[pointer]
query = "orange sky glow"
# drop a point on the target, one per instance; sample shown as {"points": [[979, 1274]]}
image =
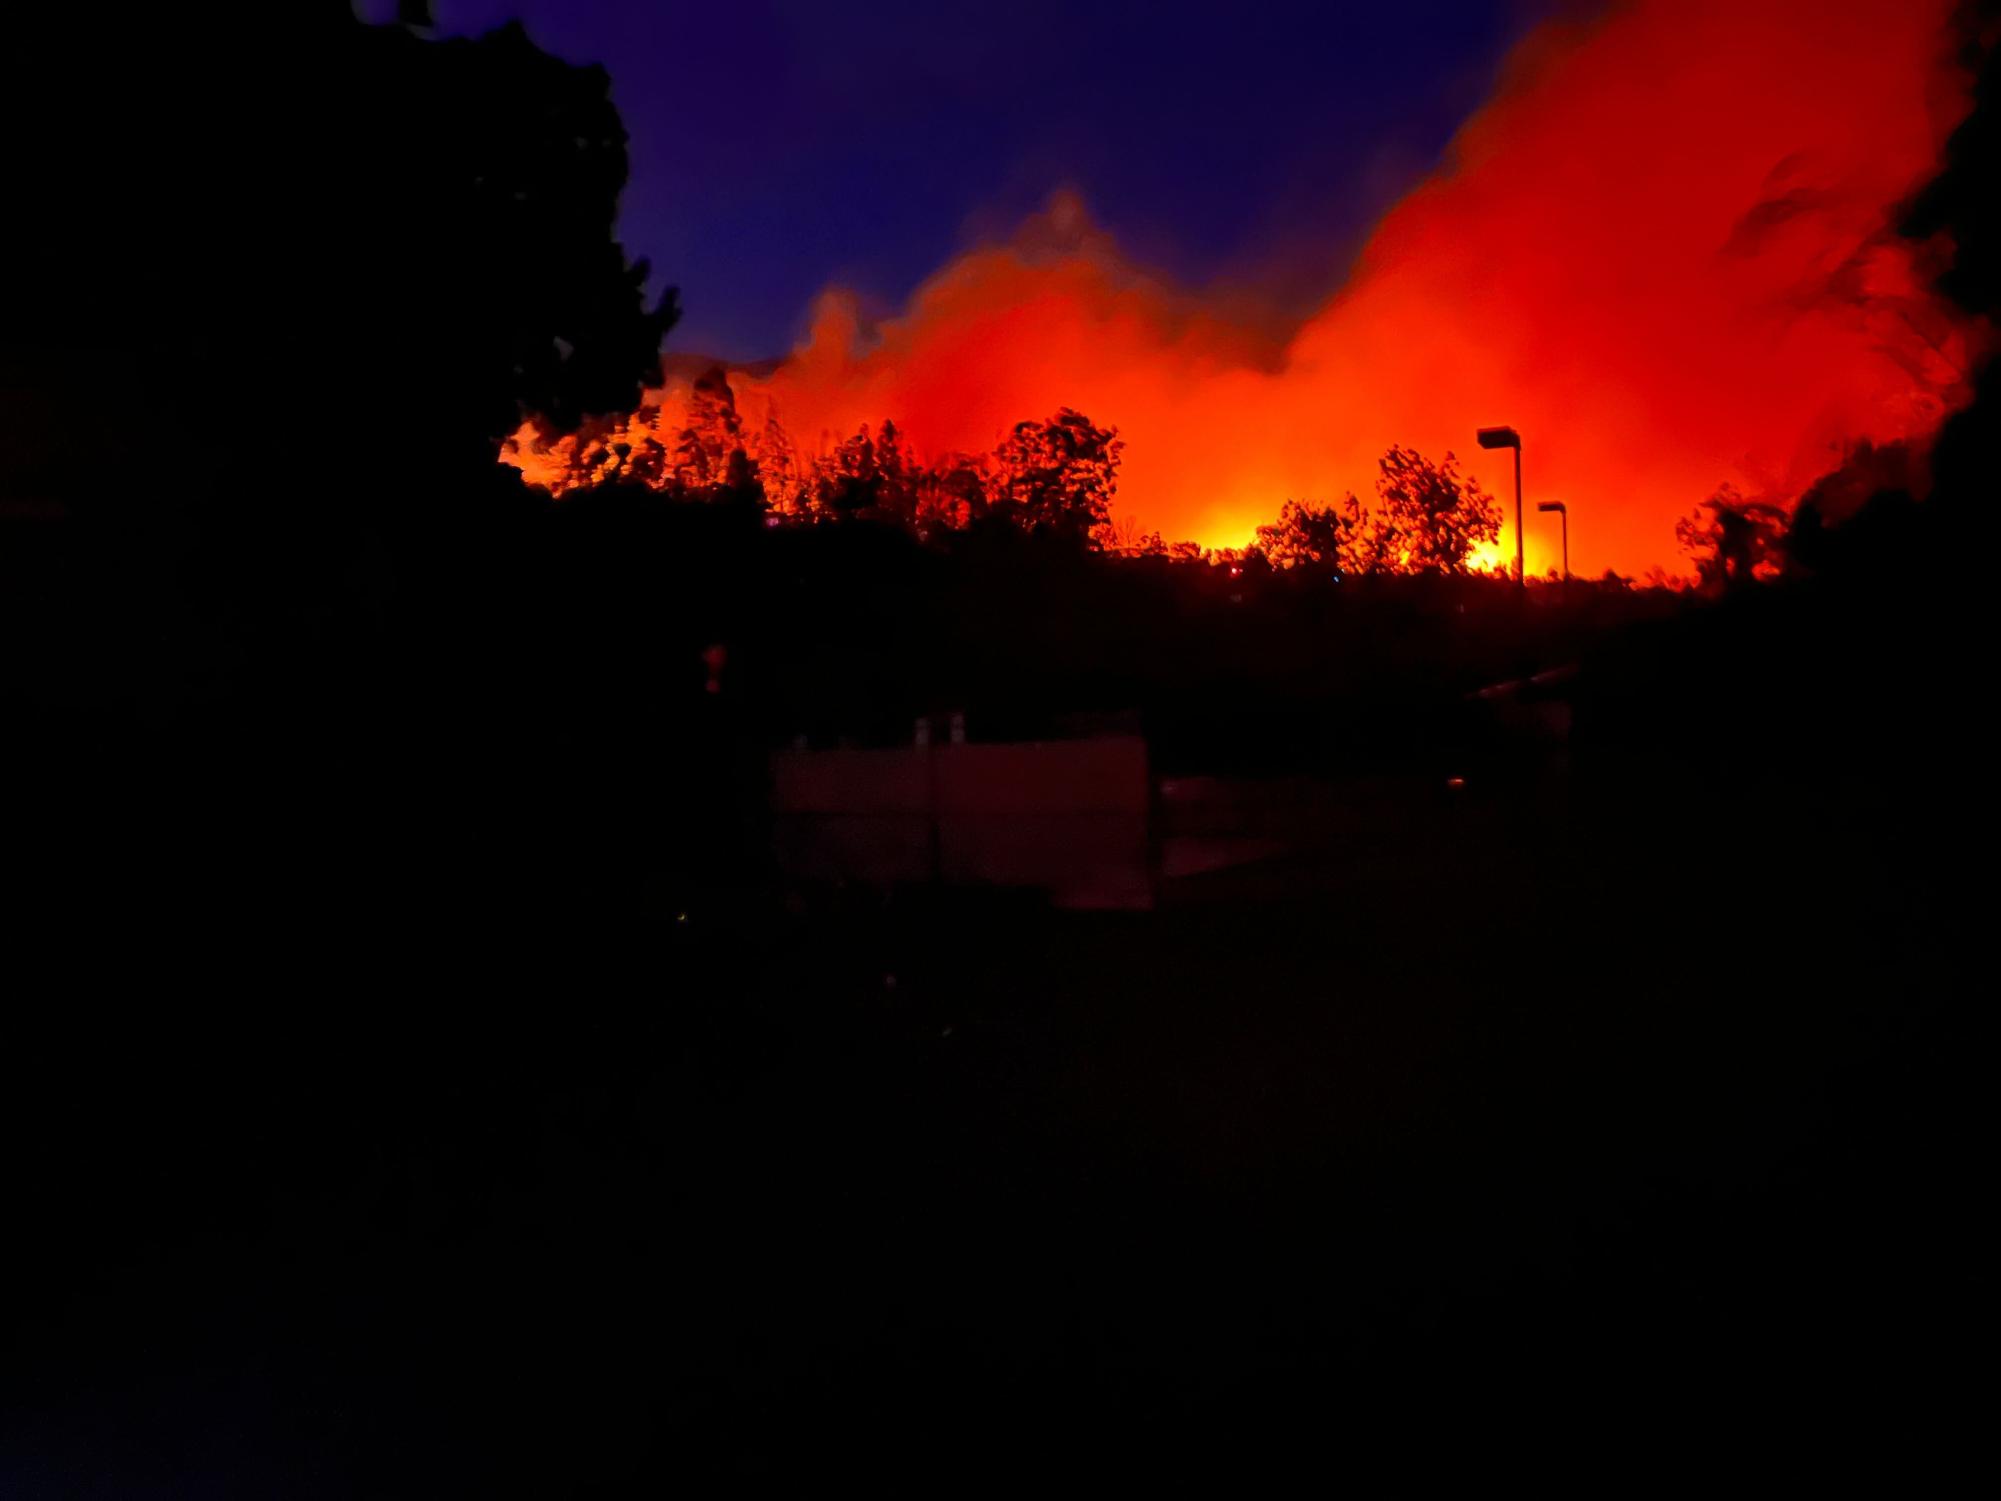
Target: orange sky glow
{"points": [[1664, 251]]}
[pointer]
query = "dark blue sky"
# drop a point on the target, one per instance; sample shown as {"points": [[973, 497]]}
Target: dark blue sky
{"points": [[778, 145]]}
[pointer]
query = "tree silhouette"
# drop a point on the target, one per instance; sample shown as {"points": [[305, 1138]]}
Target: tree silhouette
{"points": [[710, 461], [1059, 476], [867, 477], [1122, 535], [778, 467], [1322, 536], [952, 492], [470, 210], [409, 238], [896, 490], [1429, 518], [847, 483], [1733, 540]]}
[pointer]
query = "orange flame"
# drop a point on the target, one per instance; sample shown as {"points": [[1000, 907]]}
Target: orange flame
{"points": [[1664, 251]]}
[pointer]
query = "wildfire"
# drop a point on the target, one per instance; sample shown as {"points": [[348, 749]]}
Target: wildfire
{"points": [[1664, 251]]}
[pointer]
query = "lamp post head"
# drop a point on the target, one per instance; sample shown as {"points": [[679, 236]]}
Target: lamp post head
{"points": [[1499, 437], [1549, 505]]}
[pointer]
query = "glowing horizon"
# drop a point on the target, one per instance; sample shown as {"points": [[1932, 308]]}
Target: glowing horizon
{"points": [[1662, 295]]}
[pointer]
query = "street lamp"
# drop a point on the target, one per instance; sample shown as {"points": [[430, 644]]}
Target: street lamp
{"points": [[1561, 510], [1507, 437]]}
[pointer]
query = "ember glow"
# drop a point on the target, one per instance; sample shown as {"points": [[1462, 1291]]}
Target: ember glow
{"points": [[1664, 251]]}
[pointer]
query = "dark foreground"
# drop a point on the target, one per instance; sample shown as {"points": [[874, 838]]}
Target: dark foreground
{"points": [[371, 1124], [1537, 1134]]}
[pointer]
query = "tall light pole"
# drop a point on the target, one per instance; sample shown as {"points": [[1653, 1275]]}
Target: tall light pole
{"points": [[1507, 437], [1563, 511]]}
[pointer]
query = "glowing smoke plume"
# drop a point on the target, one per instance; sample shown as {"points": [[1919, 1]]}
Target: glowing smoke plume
{"points": [[1664, 251]]}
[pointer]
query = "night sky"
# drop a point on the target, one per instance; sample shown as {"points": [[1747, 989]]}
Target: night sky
{"points": [[780, 145]]}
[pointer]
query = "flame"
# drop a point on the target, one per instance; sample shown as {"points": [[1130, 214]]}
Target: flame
{"points": [[1664, 252]]}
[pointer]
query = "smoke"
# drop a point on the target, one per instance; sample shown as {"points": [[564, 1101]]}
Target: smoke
{"points": [[1664, 251]]}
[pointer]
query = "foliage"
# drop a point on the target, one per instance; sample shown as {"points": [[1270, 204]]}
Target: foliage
{"points": [[1429, 518], [952, 491], [1059, 476], [1322, 536], [1056, 477], [1733, 540], [465, 227]]}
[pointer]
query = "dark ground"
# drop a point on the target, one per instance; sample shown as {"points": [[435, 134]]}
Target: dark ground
{"points": [[1502, 1129]]}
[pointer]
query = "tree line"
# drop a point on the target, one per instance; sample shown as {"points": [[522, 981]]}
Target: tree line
{"points": [[1057, 477], [1054, 476]]}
